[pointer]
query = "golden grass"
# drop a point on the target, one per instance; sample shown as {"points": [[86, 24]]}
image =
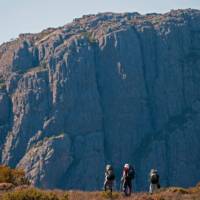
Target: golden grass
{"points": [[29, 193], [34, 194]]}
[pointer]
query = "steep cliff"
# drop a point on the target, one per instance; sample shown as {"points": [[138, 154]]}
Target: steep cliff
{"points": [[105, 88]]}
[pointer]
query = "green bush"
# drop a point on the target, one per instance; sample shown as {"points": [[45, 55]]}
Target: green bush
{"points": [[33, 194]]}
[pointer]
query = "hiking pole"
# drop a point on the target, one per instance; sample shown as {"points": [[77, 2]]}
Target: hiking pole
{"points": [[120, 186]]}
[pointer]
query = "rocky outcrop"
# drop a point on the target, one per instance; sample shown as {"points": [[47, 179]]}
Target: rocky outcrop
{"points": [[105, 88], [43, 158]]}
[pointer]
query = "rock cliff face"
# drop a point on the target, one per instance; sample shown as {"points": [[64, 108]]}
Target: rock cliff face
{"points": [[106, 88]]}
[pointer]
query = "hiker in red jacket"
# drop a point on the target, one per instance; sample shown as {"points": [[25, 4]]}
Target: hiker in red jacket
{"points": [[127, 177]]}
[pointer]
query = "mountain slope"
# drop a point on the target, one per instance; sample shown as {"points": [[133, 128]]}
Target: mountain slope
{"points": [[105, 88]]}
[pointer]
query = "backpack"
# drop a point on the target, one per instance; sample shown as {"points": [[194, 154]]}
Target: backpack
{"points": [[110, 175], [131, 173], [154, 178]]}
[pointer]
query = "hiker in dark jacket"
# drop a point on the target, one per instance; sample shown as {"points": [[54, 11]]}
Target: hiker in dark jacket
{"points": [[109, 178], [154, 181]]}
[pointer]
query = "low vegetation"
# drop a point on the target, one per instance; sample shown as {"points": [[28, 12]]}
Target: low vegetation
{"points": [[34, 194], [18, 188], [164, 194], [13, 176]]}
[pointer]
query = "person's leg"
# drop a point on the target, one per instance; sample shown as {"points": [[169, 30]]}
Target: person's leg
{"points": [[111, 185], [130, 187], [124, 185], [151, 188], [105, 185], [154, 187]]}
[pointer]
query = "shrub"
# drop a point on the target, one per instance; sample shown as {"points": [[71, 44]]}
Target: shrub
{"points": [[33, 194], [5, 174], [14, 176], [180, 190], [6, 186]]}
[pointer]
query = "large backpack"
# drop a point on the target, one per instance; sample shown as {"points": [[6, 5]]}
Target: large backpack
{"points": [[110, 175], [131, 173], [154, 178]]}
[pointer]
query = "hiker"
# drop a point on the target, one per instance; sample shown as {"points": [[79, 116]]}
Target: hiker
{"points": [[109, 178], [127, 177], [154, 181]]}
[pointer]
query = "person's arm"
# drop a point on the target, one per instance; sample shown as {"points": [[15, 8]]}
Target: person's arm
{"points": [[106, 175], [122, 178], [125, 174]]}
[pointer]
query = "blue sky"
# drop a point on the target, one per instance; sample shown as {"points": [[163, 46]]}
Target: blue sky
{"points": [[22, 16]]}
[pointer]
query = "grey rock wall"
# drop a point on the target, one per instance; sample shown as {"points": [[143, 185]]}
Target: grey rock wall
{"points": [[106, 88]]}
